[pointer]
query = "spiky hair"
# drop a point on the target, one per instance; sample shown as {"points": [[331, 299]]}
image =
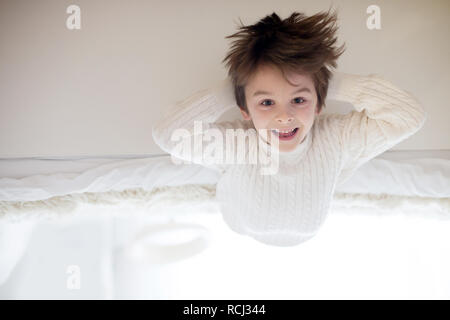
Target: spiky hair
{"points": [[299, 43]]}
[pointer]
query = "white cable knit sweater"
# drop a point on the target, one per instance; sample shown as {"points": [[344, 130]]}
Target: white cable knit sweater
{"points": [[289, 207]]}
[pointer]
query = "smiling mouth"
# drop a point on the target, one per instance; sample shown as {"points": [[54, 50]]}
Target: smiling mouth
{"points": [[285, 134]]}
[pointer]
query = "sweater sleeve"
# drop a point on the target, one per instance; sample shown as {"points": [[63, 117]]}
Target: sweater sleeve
{"points": [[384, 116], [189, 132]]}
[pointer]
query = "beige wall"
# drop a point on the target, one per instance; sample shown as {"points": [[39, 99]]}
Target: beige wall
{"points": [[98, 90]]}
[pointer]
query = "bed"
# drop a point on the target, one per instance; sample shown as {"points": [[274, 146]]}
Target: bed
{"points": [[109, 200]]}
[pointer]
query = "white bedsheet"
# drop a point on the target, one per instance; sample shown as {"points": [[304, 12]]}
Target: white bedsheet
{"points": [[95, 175], [421, 174]]}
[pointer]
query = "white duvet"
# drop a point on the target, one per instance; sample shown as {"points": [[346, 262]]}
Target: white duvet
{"points": [[383, 182]]}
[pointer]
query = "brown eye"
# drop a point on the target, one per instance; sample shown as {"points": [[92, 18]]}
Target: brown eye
{"points": [[267, 104], [299, 100]]}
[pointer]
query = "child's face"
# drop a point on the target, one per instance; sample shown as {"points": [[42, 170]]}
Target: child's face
{"points": [[281, 107]]}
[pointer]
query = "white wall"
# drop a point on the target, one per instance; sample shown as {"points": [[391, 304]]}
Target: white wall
{"points": [[98, 90]]}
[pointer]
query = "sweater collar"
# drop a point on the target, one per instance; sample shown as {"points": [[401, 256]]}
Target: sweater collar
{"points": [[292, 157]]}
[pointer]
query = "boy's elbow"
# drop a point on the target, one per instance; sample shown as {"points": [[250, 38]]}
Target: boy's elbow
{"points": [[155, 134], [158, 137], [423, 119], [418, 123], [422, 116]]}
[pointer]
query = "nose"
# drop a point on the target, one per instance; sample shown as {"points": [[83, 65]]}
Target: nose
{"points": [[285, 116]]}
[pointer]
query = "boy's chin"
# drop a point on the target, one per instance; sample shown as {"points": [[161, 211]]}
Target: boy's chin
{"points": [[287, 148], [284, 146]]}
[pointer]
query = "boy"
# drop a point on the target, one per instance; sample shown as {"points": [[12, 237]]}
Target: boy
{"points": [[279, 74]]}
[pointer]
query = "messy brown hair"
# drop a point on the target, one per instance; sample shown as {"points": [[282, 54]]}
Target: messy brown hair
{"points": [[299, 43]]}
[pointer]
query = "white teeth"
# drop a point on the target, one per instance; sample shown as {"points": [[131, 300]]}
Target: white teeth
{"points": [[284, 131], [277, 132]]}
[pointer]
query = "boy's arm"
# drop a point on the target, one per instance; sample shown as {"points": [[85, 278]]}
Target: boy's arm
{"points": [[384, 116], [206, 106]]}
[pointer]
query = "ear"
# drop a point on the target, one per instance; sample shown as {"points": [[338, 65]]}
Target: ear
{"points": [[245, 114]]}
